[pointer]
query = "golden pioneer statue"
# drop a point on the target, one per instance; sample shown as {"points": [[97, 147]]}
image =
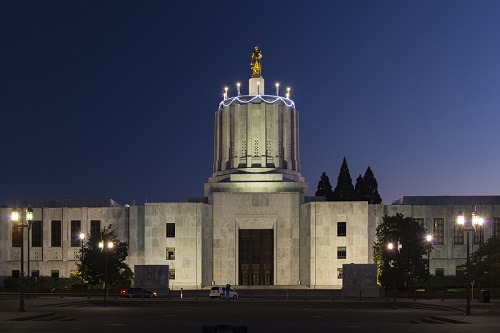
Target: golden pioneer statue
{"points": [[255, 63]]}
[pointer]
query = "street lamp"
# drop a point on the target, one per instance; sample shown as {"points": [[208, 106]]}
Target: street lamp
{"points": [[106, 248], [29, 218], [82, 237], [429, 240], [394, 248], [475, 222]]}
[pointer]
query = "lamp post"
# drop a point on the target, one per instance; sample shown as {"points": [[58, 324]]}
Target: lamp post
{"points": [[429, 240], [475, 222], [82, 237], [29, 220], [105, 249], [15, 218], [393, 249]]}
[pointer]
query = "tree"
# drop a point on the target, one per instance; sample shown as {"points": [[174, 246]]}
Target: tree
{"points": [[324, 186], [369, 190], [405, 264], [485, 264], [344, 191], [359, 189], [92, 266]]}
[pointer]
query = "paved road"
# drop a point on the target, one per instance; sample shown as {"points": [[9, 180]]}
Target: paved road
{"points": [[161, 315]]}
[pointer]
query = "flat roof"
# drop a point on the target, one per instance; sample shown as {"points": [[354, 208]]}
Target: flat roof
{"points": [[447, 200]]}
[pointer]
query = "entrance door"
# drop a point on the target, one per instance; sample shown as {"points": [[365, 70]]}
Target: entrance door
{"points": [[256, 256]]}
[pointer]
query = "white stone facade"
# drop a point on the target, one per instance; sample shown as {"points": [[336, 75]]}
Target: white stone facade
{"points": [[206, 242]]}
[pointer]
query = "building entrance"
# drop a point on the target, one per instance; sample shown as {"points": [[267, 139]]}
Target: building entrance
{"points": [[256, 256]]}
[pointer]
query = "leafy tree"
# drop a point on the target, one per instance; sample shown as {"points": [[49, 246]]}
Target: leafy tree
{"points": [[324, 186], [406, 264], [485, 264], [92, 267], [344, 191]]}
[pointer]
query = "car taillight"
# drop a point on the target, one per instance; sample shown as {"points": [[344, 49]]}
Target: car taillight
{"points": [[124, 291]]}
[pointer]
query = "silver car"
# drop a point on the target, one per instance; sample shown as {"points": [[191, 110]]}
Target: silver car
{"points": [[220, 292]]}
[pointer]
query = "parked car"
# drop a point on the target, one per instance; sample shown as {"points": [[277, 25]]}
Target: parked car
{"points": [[220, 292], [138, 292]]}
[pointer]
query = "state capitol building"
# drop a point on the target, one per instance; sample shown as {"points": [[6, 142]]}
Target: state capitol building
{"points": [[255, 224]]}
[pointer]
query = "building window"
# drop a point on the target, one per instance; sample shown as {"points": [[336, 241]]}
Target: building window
{"points": [[440, 272], [171, 274], [95, 227], [170, 253], [458, 238], [55, 234], [478, 235], [496, 227], [54, 274], [76, 227], [420, 221], [341, 252], [460, 271], [16, 235], [36, 234], [339, 273], [170, 229], [35, 273], [341, 229], [16, 274], [439, 231]]}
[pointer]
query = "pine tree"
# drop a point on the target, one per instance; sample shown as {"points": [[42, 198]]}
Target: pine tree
{"points": [[359, 189], [344, 191], [324, 186], [369, 191]]}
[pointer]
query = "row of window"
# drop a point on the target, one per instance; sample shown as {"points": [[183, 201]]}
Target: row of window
{"points": [[437, 272], [55, 233], [55, 274], [171, 273], [458, 234], [36, 273]]}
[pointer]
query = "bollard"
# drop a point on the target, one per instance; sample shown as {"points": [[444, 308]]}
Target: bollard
{"points": [[181, 292]]}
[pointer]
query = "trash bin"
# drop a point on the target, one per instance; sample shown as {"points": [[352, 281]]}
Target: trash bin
{"points": [[484, 296]]}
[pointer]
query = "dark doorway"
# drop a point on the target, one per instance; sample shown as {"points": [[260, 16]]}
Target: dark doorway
{"points": [[256, 256]]}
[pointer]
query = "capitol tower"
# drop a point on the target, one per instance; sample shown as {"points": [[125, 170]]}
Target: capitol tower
{"points": [[256, 141]]}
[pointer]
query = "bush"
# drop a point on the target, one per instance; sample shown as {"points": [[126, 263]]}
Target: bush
{"points": [[43, 282], [442, 283]]}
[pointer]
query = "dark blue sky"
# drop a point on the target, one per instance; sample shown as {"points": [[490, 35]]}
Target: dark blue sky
{"points": [[116, 99]]}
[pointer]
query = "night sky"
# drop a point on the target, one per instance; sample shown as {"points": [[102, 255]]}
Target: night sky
{"points": [[116, 99]]}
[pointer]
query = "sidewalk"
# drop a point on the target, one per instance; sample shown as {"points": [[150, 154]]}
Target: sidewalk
{"points": [[481, 313]]}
